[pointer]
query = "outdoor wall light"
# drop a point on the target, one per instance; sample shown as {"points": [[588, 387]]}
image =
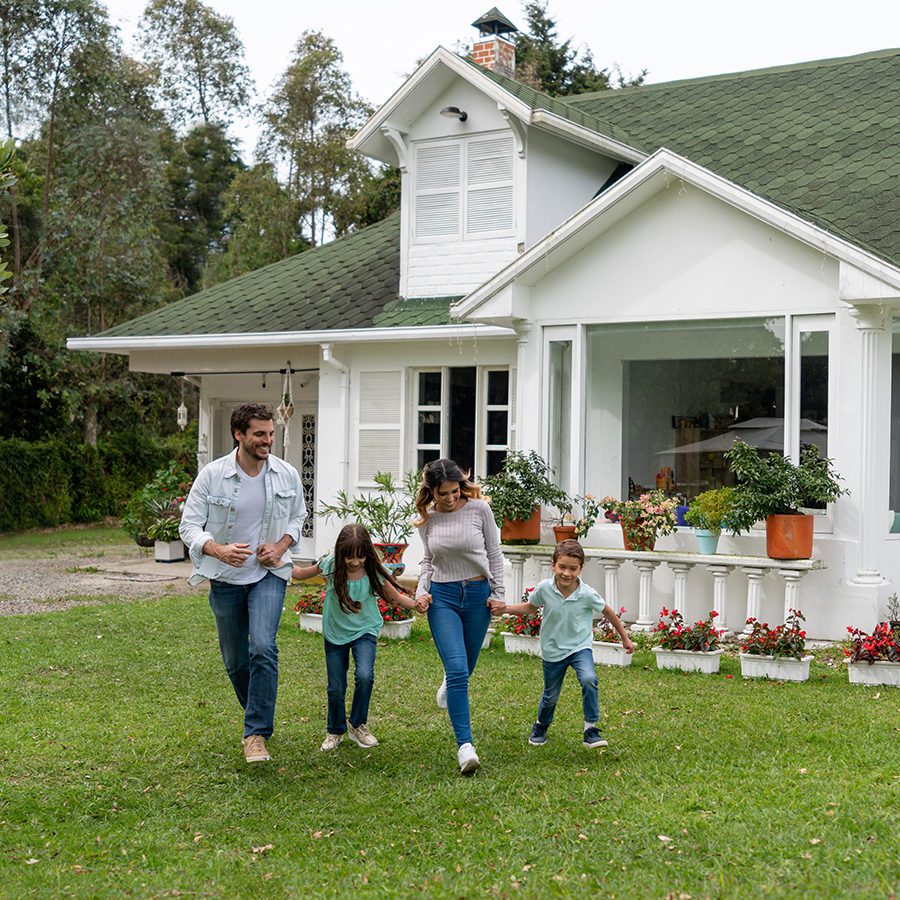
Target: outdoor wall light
{"points": [[454, 112]]}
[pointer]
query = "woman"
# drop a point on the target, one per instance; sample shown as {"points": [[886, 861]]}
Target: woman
{"points": [[461, 572]]}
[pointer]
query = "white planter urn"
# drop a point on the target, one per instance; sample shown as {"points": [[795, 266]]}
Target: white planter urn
{"points": [[705, 661], [168, 551], [522, 643], [880, 672], [610, 653], [783, 668], [311, 622], [487, 638], [397, 629]]}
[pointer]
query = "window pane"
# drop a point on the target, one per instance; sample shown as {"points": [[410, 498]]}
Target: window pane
{"points": [[497, 427], [463, 405], [560, 412], [495, 461], [498, 388], [895, 424], [426, 456], [664, 401], [429, 428], [814, 389], [429, 389]]}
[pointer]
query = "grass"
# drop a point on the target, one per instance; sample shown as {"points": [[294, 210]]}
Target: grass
{"points": [[67, 540], [121, 775]]}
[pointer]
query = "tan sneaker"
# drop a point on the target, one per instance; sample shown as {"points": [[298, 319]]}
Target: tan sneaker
{"points": [[331, 742], [362, 737], [255, 749]]}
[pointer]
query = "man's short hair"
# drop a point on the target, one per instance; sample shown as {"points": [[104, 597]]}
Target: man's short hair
{"points": [[241, 416]]}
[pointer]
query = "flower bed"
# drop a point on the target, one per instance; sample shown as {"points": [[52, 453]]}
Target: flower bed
{"points": [[776, 653], [874, 658]]}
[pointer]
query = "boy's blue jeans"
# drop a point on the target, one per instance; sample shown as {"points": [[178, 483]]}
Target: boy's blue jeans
{"points": [[582, 661], [337, 663], [459, 619], [247, 617]]}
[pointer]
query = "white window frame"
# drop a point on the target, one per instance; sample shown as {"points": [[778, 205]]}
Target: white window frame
{"points": [[573, 334]]}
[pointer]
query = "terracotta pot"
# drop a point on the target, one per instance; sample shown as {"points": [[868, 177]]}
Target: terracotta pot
{"points": [[522, 531], [392, 557], [645, 545], [789, 537], [564, 533]]}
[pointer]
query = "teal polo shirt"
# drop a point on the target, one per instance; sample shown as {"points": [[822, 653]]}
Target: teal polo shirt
{"points": [[342, 627], [567, 623]]}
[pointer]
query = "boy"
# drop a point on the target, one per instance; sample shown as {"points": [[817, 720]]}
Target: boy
{"points": [[566, 635]]}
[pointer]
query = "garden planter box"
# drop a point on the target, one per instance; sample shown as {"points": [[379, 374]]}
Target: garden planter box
{"points": [[879, 672], [168, 551], [781, 669], [705, 661], [610, 653], [487, 639], [522, 643], [397, 629], [311, 622]]}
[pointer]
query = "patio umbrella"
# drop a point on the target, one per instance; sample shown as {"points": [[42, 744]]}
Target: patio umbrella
{"points": [[763, 433]]}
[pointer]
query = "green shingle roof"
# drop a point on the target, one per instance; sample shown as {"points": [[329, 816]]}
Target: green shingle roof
{"points": [[344, 284], [821, 139], [416, 311]]}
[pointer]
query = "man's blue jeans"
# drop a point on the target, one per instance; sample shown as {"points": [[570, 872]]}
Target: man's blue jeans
{"points": [[247, 617], [459, 619], [582, 661], [337, 662]]}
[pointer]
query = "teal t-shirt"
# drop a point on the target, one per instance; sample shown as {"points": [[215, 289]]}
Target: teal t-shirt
{"points": [[567, 623], [342, 627]]}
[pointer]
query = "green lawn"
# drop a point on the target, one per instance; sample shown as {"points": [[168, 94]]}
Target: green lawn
{"points": [[121, 775], [71, 540]]}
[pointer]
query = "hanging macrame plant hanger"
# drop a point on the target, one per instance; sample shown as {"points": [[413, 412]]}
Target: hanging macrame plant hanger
{"points": [[285, 409]]}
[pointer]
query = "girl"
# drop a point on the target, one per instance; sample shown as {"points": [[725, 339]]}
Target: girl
{"points": [[461, 570], [351, 622]]}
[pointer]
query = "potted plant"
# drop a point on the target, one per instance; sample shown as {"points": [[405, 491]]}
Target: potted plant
{"points": [[874, 658], [309, 608], [163, 530], [709, 513], [606, 647], [516, 493], [643, 519], [577, 518], [771, 487], [690, 648], [521, 633], [398, 621], [387, 514], [169, 486], [776, 653]]}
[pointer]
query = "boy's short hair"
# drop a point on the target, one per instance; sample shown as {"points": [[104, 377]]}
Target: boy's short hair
{"points": [[569, 548]]}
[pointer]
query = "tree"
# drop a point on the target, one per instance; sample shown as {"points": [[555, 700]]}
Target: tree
{"points": [[306, 125], [373, 197], [558, 69], [7, 180], [198, 58]]}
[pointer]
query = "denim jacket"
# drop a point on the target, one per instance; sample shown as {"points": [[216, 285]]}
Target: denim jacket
{"points": [[210, 510]]}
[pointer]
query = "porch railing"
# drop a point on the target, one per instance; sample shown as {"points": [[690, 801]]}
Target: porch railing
{"points": [[720, 566]]}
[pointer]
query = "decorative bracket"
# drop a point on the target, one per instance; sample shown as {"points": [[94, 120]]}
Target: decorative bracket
{"points": [[517, 129], [398, 141]]}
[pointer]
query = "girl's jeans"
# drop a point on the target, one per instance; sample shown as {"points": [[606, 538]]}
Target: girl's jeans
{"points": [[337, 663], [459, 619], [582, 662], [247, 617]]}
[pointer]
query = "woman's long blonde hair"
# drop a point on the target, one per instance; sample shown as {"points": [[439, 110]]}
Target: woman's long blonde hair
{"points": [[433, 476]]}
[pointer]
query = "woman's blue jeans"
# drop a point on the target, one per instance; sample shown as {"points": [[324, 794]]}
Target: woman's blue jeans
{"points": [[582, 662], [459, 619], [337, 663], [247, 617]]}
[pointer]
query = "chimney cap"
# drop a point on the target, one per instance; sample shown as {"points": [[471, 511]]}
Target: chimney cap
{"points": [[494, 22]]}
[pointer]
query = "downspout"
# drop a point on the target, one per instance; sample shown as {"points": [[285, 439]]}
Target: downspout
{"points": [[329, 359]]}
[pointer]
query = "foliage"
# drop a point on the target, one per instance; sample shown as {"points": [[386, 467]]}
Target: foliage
{"points": [[893, 608], [387, 514], [773, 485], [527, 624], [164, 528], [882, 644], [675, 635], [711, 509], [524, 481], [310, 601], [604, 632], [169, 485], [644, 518], [588, 510], [788, 639], [391, 613], [7, 180]]}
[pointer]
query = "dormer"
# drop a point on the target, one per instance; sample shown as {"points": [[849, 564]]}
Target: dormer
{"points": [[489, 166]]}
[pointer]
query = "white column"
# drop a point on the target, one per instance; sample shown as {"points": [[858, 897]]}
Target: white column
{"points": [[791, 589], [873, 324], [523, 329], [611, 581], [546, 567], [645, 622], [720, 593], [517, 579], [754, 593], [681, 571]]}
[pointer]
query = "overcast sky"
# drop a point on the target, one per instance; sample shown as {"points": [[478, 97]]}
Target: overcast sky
{"points": [[381, 40]]}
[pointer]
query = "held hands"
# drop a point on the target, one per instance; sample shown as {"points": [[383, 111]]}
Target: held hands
{"points": [[422, 603], [269, 555], [498, 607]]}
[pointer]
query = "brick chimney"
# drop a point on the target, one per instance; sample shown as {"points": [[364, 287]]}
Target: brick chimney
{"points": [[493, 49]]}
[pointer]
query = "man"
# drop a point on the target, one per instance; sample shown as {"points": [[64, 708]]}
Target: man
{"points": [[242, 516]]}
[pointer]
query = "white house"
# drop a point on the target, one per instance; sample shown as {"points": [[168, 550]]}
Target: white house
{"points": [[607, 278]]}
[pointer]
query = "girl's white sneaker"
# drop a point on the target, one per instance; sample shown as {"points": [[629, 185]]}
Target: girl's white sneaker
{"points": [[468, 759], [441, 697]]}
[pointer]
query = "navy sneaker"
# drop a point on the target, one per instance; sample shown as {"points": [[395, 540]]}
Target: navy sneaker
{"points": [[593, 738], [538, 734]]}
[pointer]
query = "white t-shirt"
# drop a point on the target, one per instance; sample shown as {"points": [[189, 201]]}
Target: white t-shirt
{"points": [[247, 525]]}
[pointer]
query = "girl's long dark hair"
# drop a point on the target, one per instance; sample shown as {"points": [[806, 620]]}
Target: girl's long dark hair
{"points": [[433, 476], [354, 541]]}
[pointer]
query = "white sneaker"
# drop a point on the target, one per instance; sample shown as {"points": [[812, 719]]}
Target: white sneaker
{"points": [[468, 759], [331, 742], [442, 694], [362, 737]]}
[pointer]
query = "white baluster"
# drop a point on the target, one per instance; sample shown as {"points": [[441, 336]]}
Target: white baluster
{"points": [[791, 589], [754, 593], [546, 568], [611, 581], [681, 570], [720, 593], [645, 622], [517, 579]]}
